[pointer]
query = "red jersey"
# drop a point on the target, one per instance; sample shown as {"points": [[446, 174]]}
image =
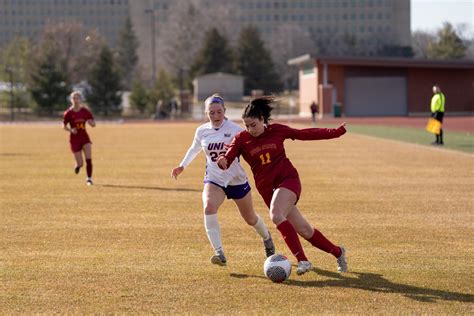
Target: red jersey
{"points": [[266, 154], [78, 120]]}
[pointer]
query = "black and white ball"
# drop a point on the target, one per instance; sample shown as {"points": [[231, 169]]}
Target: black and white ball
{"points": [[277, 268]]}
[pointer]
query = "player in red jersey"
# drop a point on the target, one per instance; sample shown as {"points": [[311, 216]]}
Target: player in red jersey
{"points": [[74, 122], [277, 180]]}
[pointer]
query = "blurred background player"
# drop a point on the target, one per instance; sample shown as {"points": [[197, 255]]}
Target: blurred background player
{"points": [[212, 138], [277, 180], [74, 122]]}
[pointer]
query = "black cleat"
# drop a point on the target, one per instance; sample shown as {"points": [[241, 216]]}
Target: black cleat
{"points": [[269, 246], [76, 170]]}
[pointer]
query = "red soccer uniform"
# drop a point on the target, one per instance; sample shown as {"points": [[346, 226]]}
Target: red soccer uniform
{"points": [[267, 158], [78, 120]]}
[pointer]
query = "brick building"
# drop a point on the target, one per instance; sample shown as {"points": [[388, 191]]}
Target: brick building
{"points": [[382, 86]]}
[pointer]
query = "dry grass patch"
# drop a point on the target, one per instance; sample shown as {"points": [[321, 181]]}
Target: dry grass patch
{"points": [[135, 241]]}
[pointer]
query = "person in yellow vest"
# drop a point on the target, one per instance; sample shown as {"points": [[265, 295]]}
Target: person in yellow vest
{"points": [[437, 111]]}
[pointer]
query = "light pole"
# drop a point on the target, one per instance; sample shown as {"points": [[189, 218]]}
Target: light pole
{"points": [[9, 71], [153, 43]]}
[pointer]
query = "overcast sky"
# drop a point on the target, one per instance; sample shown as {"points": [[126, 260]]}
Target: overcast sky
{"points": [[428, 15]]}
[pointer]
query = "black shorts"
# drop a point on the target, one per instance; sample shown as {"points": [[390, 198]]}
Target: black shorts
{"points": [[438, 116], [234, 192]]}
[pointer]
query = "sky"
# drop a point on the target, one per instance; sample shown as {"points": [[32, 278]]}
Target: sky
{"points": [[429, 15]]}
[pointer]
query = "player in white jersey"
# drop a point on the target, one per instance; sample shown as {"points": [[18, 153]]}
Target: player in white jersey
{"points": [[232, 183]]}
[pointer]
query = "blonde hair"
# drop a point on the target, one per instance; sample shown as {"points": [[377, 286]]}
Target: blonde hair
{"points": [[215, 98]]}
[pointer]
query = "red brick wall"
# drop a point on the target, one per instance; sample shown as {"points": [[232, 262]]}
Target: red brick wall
{"points": [[456, 84]]}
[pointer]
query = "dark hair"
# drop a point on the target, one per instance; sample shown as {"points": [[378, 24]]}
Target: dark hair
{"points": [[259, 108]]}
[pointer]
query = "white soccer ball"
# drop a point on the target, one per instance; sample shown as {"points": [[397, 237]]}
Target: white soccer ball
{"points": [[277, 268]]}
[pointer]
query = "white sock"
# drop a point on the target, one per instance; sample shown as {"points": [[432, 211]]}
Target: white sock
{"points": [[261, 228], [213, 232]]}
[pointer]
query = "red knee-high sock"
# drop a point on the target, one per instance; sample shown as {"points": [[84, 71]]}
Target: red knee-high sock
{"points": [[89, 167], [319, 241], [292, 241]]}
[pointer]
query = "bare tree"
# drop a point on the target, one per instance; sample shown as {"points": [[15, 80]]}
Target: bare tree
{"points": [[78, 46], [421, 40]]}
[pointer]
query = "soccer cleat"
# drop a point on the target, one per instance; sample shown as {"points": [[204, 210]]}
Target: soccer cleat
{"points": [[269, 246], [219, 259], [76, 170], [89, 182], [342, 261], [303, 267]]}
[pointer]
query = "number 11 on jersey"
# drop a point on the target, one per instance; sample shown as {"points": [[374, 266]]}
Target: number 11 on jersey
{"points": [[267, 160]]}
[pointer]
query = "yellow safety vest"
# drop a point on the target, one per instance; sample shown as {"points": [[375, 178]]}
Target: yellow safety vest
{"points": [[437, 102]]}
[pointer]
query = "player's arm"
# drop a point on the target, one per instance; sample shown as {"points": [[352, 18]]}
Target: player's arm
{"points": [[233, 151], [66, 125], [90, 119], [192, 152], [316, 133]]}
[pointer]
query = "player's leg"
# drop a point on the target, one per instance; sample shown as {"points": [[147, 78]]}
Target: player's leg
{"points": [[87, 148], [79, 161], [316, 238], [248, 213], [282, 202], [212, 198]]}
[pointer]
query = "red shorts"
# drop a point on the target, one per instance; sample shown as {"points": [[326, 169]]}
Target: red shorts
{"points": [[291, 183], [77, 143]]}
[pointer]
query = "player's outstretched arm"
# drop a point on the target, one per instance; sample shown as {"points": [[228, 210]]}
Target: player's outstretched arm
{"points": [[176, 172]]}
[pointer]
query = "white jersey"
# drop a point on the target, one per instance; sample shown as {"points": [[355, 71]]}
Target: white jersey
{"points": [[212, 140]]}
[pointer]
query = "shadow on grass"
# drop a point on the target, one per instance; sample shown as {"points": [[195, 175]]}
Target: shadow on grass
{"points": [[15, 155], [374, 283], [141, 187]]}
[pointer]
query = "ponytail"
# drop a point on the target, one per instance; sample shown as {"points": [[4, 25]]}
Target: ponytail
{"points": [[259, 108]]}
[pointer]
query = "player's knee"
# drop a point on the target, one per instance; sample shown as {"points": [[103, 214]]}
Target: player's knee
{"points": [[210, 209], [276, 216]]}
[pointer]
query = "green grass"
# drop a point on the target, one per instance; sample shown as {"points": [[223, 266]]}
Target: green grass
{"points": [[453, 140], [135, 242]]}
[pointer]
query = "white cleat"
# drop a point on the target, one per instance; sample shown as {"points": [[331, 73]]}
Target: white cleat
{"points": [[89, 182], [342, 261], [303, 267]]}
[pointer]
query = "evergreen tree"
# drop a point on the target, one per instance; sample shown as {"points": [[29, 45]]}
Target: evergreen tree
{"points": [[127, 53], [105, 92], [49, 84], [254, 62], [448, 46], [139, 96], [164, 90], [15, 60], [215, 55]]}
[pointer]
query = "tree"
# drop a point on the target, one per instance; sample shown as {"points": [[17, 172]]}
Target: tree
{"points": [[139, 96], [421, 40], [104, 95], [16, 58], [164, 90], [449, 44], [214, 56], [77, 46], [127, 53], [255, 63], [49, 84]]}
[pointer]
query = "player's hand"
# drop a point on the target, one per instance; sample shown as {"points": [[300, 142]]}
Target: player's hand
{"points": [[74, 130], [222, 162], [342, 128], [342, 125], [176, 172], [91, 122]]}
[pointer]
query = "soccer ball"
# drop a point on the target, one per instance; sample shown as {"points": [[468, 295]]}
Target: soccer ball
{"points": [[277, 268]]}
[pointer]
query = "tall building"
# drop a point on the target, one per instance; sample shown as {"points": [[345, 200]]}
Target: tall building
{"points": [[28, 17], [289, 27]]}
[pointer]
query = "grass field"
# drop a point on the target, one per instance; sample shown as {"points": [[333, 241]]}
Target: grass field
{"points": [[135, 242]]}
